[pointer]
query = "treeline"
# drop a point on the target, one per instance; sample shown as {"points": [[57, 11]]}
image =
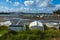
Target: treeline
{"points": [[56, 12]]}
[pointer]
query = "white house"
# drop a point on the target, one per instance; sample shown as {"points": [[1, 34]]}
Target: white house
{"points": [[36, 25]]}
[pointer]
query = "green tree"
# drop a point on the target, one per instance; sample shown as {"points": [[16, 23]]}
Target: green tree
{"points": [[56, 12]]}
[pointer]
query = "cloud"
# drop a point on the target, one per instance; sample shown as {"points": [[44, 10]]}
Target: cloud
{"points": [[46, 3], [3, 9], [6, 9], [7, 0], [26, 10], [57, 7], [34, 10], [39, 3], [16, 4], [29, 3], [33, 6]]}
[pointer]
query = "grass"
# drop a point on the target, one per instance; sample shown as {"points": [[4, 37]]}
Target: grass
{"points": [[35, 34]]}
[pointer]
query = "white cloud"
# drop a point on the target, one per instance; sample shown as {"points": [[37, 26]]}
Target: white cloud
{"points": [[29, 3], [57, 7], [7, 0], [43, 6], [40, 3], [45, 3], [24, 9], [3, 9], [16, 4]]}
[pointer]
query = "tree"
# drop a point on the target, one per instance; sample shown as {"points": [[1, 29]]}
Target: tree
{"points": [[57, 12]]}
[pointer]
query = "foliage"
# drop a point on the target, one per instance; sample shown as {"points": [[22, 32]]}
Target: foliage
{"points": [[45, 27], [34, 34], [57, 12], [3, 31]]}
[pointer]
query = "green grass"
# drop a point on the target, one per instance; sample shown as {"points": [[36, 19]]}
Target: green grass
{"points": [[34, 34]]}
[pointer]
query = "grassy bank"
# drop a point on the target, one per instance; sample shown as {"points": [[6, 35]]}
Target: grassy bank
{"points": [[34, 34]]}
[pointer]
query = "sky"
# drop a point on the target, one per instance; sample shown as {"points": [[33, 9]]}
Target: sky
{"points": [[29, 6]]}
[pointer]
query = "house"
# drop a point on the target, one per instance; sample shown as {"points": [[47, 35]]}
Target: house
{"points": [[17, 27], [36, 25]]}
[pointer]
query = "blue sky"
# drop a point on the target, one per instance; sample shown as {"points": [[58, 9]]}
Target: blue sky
{"points": [[56, 2], [32, 6]]}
